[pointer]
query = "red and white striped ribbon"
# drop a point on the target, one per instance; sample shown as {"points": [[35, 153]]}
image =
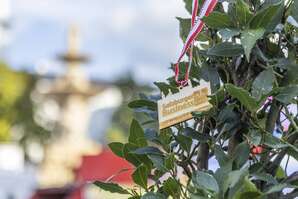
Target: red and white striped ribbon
{"points": [[196, 27]]}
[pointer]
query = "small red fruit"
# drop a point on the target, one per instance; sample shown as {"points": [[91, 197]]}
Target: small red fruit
{"points": [[256, 150]]}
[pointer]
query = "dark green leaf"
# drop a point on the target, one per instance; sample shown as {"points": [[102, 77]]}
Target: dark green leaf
{"points": [[203, 180], [184, 142], [240, 14], [210, 74], [111, 187], [170, 161], [254, 137], [190, 132], [134, 158], [218, 20], [241, 154], [227, 33], [273, 142], [263, 84], [236, 176], [249, 39], [140, 176], [286, 94], [136, 135], [276, 188], [149, 150], [226, 49], [220, 156], [294, 10], [243, 96], [158, 162], [264, 17], [265, 177], [117, 148], [184, 27], [151, 195], [171, 187], [143, 103]]}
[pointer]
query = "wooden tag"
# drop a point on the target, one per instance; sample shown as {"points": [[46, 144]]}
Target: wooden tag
{"points": [[176, 108]]}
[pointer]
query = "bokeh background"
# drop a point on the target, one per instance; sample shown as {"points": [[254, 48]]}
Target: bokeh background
{"points": [[68, 68]]}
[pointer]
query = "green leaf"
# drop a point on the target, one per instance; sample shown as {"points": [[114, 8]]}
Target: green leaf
{"points": [[276, 188], [220, 156], [280, 173], [203, 180], [227, 33], [158, 162], [111, 187], [143, 103], [240, 14], [265, 177], [254, 137], [241, 154], [209, 73], [243, 96], [184, 27], [249, 39], [190, 132], [294, 10], [140, 176], [166, 88], [273, 142], [151, 195], [226, 49], [136, 135], [286, 94], [134, 158], [185, 142], [170, 161], [263, 84], [236, 176], [149, 150], [171, 187], [218, 20], [117, 148], [264, 17]]}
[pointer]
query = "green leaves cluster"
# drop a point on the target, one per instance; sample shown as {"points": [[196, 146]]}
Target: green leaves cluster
{"points": [[248, 53]]}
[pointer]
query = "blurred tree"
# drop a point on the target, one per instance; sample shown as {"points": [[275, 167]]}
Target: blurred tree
{"points": [[17, 109]]}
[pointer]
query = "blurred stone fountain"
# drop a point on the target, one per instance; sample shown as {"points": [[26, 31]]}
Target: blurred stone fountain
{"points": [[70, 93]]}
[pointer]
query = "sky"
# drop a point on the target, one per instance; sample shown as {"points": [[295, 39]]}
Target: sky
{"points": [[141, 36]]}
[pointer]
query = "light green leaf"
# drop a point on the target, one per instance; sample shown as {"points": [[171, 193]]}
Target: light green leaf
{"points": [[204, 180], [263, 84], [254, 137], [136, 134], [226, 49], [249, 39], [111, 187], [140, 176], [243, 96]]}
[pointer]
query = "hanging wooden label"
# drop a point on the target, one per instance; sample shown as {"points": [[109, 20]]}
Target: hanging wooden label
{"points": [[176, 108]]}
